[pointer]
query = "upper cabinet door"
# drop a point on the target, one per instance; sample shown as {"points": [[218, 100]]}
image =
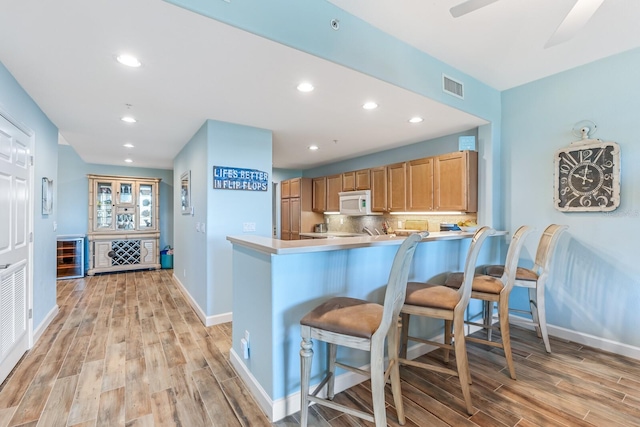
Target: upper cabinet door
{"points": [[125, 193], [420, 185], [285, 189], [379, 189], [146, 206], [295, 187], [103, 211], [363, 179], [319, 194], [334, 187], [348, 181], [456, 182], [396, 187]]}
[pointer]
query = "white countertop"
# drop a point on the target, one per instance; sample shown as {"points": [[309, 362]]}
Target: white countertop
{"points": [[332, 234], [284, 247]]}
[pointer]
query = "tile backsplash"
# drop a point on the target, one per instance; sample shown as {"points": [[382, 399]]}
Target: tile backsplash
{"points": [[355, 224]]}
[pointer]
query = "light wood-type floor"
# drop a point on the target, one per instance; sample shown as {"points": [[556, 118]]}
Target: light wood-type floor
{"points": [[127, 349]]}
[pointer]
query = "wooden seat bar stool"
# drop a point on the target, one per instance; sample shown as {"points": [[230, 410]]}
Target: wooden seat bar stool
{"points": [[448, 304], [492, 290], [363, 325], [535, 279]]}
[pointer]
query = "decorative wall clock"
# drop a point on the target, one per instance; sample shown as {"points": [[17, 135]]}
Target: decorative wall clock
{"points": [[587, 176]]}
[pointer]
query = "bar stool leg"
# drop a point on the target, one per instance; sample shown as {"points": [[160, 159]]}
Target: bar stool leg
{"points": [[463, 364], [542, 317], [448, 324], [503, 317], [404, 334], [333, 350], [306, 356], [393, 342]]}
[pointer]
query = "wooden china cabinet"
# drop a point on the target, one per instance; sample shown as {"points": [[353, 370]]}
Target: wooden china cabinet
{"points": [[124, 231]]}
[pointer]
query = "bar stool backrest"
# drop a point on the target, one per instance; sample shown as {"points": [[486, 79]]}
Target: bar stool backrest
{"points": [[470, 265], [397, 285], [546, 248]]}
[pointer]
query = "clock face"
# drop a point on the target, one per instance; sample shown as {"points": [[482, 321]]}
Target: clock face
{"points": [[588, 176]]}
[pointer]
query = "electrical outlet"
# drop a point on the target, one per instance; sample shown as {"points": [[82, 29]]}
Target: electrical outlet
{"points": [[185, 273], [248, 227], [400, 224], [341, 221], [202, 227]]}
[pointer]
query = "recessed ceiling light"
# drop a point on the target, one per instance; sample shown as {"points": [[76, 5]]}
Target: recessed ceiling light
{"points": [[370, 105], [128, 160], [313, 147], [128, 145], [305, 87], [415, 119], [128, 119], [128, 60]]}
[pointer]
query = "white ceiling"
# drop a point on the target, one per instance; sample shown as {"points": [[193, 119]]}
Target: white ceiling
{"points": [[195, 68]]}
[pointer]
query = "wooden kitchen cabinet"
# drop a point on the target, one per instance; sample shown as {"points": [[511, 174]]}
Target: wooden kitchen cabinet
{"points": [[296, 209], [363, 179], [379, 189], [295, 187], [348, 181], [334, 187], [456, 182], [124, 230], [396, 187], [356, 180], [419, 185], [319, 194]]}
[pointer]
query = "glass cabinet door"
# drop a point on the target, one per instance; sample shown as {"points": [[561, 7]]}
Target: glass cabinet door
{"points": [[125, 219], [146, 207], [104, 206], [125, 193]]}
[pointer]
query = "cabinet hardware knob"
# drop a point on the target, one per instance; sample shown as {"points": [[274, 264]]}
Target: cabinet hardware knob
{"points": [[111, 254]]}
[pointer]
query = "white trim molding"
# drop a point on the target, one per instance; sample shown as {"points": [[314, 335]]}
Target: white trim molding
{"points": [[206, 320], [37, 333], [600, 343]]}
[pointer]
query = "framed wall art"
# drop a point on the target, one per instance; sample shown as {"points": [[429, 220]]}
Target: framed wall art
{"points": [[185, 193], [47, 196]]}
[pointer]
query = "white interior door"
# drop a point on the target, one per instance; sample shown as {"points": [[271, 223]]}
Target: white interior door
{"points": [[14, 245]]}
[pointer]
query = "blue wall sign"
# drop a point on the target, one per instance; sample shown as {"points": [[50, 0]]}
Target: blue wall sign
{"points": [[228, 178], [467, 143]]}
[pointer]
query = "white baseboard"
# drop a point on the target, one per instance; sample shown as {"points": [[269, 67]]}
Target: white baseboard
{"points": [[582, 338], [37, 333], [276, 410], [206, 320]]}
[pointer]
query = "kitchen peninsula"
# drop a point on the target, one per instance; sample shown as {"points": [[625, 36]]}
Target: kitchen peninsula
{"points": [[276, 282]]}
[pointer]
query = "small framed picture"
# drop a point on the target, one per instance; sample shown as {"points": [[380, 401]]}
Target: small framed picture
{"points": [[47, 196], [185, 193]]}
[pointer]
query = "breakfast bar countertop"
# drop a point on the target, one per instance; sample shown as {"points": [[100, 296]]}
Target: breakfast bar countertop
{"points": [[286, 247]]}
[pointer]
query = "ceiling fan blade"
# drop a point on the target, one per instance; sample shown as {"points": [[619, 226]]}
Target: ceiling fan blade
{"points": [[468, 7], [577, 17]]}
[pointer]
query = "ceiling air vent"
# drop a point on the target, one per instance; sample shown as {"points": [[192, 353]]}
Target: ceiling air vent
{"points": [[452, 87]]}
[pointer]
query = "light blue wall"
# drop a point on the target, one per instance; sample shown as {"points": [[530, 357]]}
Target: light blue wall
{"points": [[15, 102], [73, 193], [205, 257], [241, 147], [190, 256], [595, 287]]}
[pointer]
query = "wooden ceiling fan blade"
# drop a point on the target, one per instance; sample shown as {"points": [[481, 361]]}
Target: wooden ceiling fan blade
{"points": [[577, 18], [468, 7]]}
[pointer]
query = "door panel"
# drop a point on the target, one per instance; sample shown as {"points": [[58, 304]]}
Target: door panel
{"points": [[14, 245]]}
